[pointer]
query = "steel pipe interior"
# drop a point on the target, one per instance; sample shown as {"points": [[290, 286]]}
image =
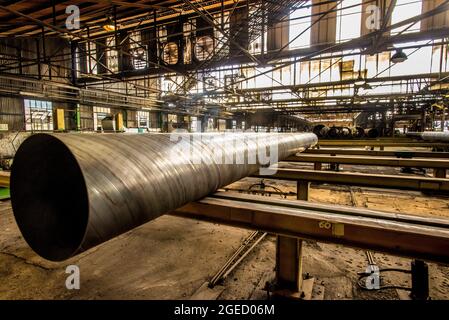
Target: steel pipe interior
{"points": [[71, 192], [333, 132], [359, 132], [372, 133], [321, 130]]}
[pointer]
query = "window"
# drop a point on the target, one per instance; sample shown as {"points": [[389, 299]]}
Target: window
{"points": [[188, 29], [92, 59], [349, 19], [210, 124], [255, 47], [112, 55], [79, 63], [193, 124], [406, 9], [221, 125], [86, 58], [38, 115], [138, 51], [170, 83], [221, 42], [99, 114], [172, 118], [300, 27], [143, 120]]}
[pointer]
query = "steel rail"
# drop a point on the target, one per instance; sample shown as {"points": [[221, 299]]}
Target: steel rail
{"points": [[245, 248], [381, 153], [380, 143], [363, 179], [411, 236], [335, 209], [371, 161]]}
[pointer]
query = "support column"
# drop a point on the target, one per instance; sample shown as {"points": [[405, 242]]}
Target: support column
{"points": [[420, 280], [443, 118], [289, 255], [289, 263], [302, 190], [439, 173]]}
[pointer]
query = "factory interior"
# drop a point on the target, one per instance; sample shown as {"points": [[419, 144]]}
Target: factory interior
{"points": [[224, 150]]}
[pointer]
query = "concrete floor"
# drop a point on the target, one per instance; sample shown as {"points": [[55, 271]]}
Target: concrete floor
{"points": [[172, 257]]}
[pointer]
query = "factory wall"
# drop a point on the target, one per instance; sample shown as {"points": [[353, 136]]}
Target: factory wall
{"points": [[38, 59], [11, 114], [53, 56], [82, 117], [13, 117]]}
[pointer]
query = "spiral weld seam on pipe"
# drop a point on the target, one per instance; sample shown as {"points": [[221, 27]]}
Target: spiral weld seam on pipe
{"points": [[71, 192]]}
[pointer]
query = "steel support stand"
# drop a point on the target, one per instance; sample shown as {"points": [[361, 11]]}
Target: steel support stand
{"points": [[420, 280], [289, 282]]}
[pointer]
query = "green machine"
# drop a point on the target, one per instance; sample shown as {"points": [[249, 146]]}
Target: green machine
{"points": [[4, 185], [4, 193]]}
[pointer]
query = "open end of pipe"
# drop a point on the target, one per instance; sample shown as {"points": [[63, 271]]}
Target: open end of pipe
{"points": [[49, 197], [373, 133]]}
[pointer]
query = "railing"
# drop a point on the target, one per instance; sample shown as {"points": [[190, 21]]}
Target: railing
{"points": [[15, 86]]}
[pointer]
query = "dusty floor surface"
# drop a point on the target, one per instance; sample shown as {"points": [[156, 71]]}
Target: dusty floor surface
{"points": [[171, 257]]}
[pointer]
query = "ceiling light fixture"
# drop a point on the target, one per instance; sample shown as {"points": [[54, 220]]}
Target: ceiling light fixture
{"points": [[109, 25], [367, 86], [399, 56]]}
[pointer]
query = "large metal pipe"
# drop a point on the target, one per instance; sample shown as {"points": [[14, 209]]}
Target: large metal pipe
{"points": [[345, 133], [71, 192], [333, 132], [430, 135], [321, 130], [359, 132], [412, 134], [372, 133]]}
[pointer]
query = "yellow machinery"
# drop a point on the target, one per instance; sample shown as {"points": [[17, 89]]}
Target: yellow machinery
{"points": [[119, 122], [60, 121]]}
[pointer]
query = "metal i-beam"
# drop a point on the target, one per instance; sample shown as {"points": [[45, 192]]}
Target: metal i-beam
{"points": [[362, 179], [138, 5], [406, 235], [380, 143], [372, 161], [377, 153]]}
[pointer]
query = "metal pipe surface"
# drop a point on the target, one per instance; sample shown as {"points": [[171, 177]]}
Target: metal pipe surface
{"points": [[430, 135], [71, 192]]}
